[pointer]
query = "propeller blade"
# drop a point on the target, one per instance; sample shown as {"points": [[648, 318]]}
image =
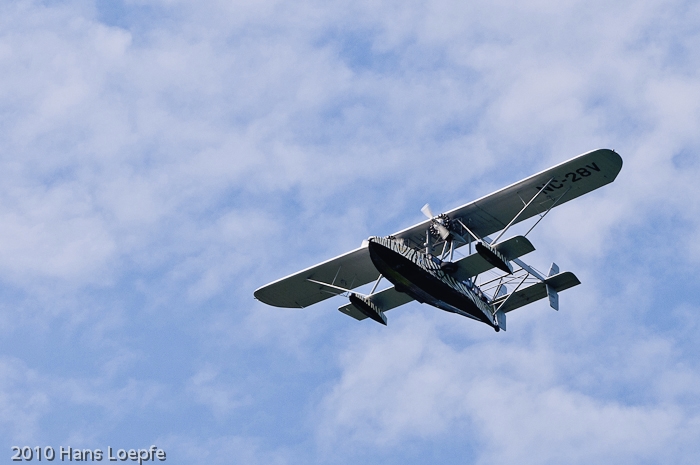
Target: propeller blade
{"points": [[427, 212]]}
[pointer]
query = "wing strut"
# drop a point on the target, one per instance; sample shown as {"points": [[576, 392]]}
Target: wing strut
{"points": [[332, 286], [529, 269], [523, 209], [471, 233], [336, 275], [545, 213], [375, 285], [512, 293]]}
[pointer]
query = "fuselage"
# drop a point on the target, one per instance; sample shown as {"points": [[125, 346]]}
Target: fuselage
{"points": [[421, 276]]}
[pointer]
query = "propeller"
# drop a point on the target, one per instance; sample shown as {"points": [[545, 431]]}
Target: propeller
{"points": [[427, 211], [440, 223]]}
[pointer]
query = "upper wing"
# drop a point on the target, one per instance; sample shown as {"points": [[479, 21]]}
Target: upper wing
{"points": [[350, 270], [493, 212]]}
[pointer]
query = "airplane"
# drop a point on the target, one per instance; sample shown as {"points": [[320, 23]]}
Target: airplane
{"points": [[419, 262]]}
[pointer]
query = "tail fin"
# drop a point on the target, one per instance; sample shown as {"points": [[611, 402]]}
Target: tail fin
{"points": [[554, 269], [501, 320], [551, 293]]}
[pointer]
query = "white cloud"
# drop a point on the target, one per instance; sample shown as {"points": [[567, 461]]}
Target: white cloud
{"points": [[220, 398], [21, 403], [512, 401], [165, 159]]}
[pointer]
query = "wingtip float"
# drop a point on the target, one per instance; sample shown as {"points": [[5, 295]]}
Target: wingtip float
{"points": [[419, 263]]}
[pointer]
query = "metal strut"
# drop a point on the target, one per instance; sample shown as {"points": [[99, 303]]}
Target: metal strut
{"points": [[521, 211], [529, 269], [336, 275], [545, 213], [471, 234], [332, 286], [375, 285], [511, 294]]}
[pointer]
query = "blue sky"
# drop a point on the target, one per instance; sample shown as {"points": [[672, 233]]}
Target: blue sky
{"points": [[161, 160]]}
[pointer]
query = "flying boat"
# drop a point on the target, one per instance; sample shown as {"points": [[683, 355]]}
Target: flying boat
{"points": [[419, 263]]}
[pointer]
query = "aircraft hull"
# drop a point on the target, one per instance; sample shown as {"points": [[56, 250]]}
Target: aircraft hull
{"points": [[421, 277]]}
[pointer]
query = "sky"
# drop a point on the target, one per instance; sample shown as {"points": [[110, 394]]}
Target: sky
{"points": [[161, 160]]}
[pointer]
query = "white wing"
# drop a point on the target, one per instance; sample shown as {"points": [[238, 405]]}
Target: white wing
{"points": [[493, 212], [348, 271]]}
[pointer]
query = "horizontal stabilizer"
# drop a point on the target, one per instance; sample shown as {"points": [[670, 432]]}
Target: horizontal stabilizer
{"points": [[475, 264], [558, 283], [385, 300]]}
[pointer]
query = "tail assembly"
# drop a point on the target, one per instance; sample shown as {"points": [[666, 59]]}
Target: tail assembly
{"points": [[548, 286]]}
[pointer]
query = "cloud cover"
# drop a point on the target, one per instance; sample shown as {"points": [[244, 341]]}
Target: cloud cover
{"points": [[161, 160]]}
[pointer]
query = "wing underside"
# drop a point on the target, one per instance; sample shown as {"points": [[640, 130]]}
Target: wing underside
{"points": [[493, 212], [347, 271]]}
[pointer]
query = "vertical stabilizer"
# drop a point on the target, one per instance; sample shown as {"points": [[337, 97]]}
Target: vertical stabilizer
{"points": [[554, 269], [553, 297], [501, 319], [551, 293]]}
